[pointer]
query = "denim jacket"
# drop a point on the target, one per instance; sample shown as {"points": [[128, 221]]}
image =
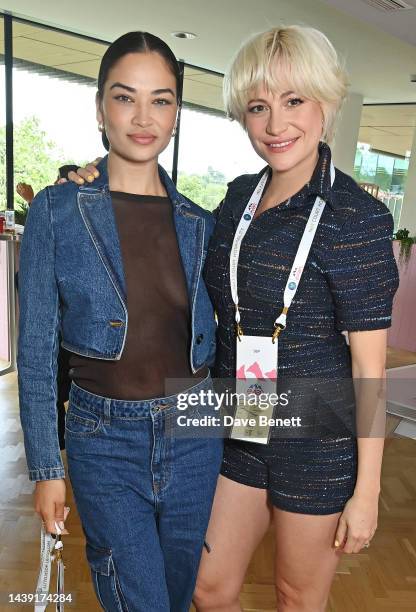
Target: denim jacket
{"points": [[71, 282]]}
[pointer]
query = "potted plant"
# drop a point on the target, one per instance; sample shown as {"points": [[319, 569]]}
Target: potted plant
{"points": [[21, 212], [406, 243]]}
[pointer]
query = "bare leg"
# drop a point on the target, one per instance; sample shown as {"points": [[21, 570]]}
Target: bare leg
{"points": [[239, 519], [305, 560]]}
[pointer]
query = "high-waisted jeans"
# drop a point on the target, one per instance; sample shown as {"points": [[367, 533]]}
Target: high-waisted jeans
{"points": [[144, 498]]}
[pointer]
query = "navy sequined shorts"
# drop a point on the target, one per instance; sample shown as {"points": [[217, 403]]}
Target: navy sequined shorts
{"points": [[310, 476]]}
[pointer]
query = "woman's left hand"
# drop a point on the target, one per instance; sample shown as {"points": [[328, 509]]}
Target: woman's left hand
{"points": [[357, 524]]}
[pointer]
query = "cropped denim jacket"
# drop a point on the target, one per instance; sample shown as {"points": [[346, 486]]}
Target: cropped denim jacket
{"points": [[71, 281]]}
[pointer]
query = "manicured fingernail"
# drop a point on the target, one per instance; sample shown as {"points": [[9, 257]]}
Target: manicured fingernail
{"points": [[90, 178], [80, 180], [96, 173], [336, 544]]}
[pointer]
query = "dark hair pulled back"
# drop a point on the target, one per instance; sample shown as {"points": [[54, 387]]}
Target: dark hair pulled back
{"points": [[136, 42]]}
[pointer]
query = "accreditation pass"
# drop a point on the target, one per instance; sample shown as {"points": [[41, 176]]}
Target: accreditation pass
{"points": [[256, 374]]}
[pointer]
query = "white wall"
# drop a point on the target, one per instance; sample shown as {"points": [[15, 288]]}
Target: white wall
{"points": [[345, 145]]}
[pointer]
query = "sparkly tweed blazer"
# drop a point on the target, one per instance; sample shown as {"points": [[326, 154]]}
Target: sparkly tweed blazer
{"points": [[348, 282]]}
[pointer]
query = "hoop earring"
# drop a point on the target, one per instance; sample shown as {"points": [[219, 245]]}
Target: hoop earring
{"points": [[101, 127]]}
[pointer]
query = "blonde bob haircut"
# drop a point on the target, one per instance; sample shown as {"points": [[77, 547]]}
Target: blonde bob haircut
{"points": [[293, 58]]}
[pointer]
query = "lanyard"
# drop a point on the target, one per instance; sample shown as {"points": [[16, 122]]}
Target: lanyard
{"points": [[300, 258]]}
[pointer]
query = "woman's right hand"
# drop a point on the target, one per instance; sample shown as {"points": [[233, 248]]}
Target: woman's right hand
{"points": [[50, 504], [89, 173]]}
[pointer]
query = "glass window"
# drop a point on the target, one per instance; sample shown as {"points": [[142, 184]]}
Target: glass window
{"points": [[401, 167], [4, 301], [382, 158], [54, 86], [384, 172], [213, 150], [2, 121]]}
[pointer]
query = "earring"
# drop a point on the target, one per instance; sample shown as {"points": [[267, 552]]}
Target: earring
{"points": [[100, 127]]}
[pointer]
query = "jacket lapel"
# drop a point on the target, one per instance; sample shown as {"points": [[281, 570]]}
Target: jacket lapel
{"points": [[190, 232], [94, 203], [97, 213]]}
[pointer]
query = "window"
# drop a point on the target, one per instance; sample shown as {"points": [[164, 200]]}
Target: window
{"points": [[383, 151], [4, 331], [213, 150], [54, 76], [3, 194]]}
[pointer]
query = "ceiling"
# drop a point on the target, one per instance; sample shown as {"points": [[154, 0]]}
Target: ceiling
{"points": [[400, 23], [379, 63], [388, 128], [54, 49], [35, 48]]}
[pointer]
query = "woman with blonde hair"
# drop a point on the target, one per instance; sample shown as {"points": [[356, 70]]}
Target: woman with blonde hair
{"points": [[286, 88]]}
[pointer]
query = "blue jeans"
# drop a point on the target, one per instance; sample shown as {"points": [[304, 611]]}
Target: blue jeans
{"points": [[144, 498]]}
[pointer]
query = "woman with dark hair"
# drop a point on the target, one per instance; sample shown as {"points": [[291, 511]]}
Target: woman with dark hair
{"points": [[115, 268]]}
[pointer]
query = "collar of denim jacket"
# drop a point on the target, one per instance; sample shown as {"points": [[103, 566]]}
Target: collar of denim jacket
{"points": [[102, 183]]}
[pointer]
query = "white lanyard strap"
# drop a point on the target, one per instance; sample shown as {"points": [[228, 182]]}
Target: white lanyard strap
{"points": [[242, 228], [301, 257], [298, 266]]}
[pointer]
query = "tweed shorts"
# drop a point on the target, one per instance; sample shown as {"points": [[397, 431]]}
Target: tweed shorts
{"points": [[309, 476]]}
